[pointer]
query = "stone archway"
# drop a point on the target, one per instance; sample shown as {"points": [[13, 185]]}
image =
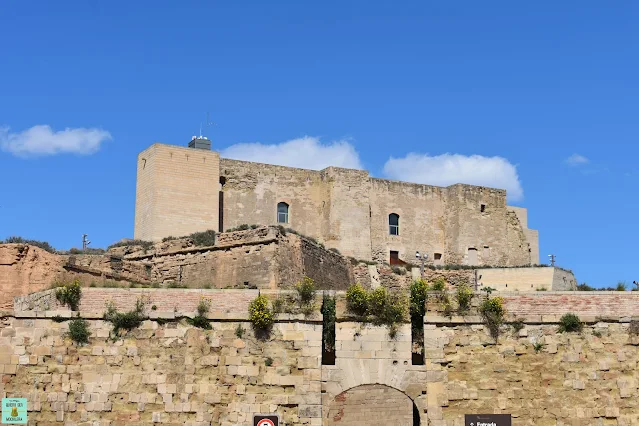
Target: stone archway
{"points": [[372, 405]]}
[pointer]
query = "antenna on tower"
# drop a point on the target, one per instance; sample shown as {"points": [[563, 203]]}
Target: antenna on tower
{"points": [[207, 123]]}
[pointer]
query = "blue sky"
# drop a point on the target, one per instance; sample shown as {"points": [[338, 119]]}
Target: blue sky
{"points": [[422, 91]]}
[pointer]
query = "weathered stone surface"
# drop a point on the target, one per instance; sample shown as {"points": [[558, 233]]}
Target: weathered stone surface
{"points": [[25, 269]]}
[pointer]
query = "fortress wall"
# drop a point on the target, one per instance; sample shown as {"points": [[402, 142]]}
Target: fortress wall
{"points": [[496, 233], [177, 192], [550, 305], [170, 372], [253, 190], [349, 215], [531, 235], [421, 210], [564, 280], [527, 279]]}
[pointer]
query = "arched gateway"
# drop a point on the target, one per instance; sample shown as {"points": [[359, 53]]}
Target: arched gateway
{"points": [[372, 405]]}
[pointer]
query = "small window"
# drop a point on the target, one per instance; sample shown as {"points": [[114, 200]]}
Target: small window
{"points": [[282, 213], [393, 224], [438, 256], [483, 208]]}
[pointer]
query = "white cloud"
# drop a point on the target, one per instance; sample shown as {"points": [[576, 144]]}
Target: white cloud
{"points": [[449, 169], [42, 140], [306, 153], [576, 160]]}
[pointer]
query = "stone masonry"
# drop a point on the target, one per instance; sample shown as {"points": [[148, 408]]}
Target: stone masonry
{"points": [[181, 191], [167, 372]]}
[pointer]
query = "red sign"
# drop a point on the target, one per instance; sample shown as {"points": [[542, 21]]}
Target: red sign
{"points": [[266, 420]]}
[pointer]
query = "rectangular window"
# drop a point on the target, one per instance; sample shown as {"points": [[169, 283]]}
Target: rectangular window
{"points": [[282, 217], [483, 208], [394, 229]]}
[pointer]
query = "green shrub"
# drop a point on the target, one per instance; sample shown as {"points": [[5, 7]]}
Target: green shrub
{"points": [[488, 290], [518, 325], [260, 315], [124, 320], [239, 331], [58, 318], [585, 287], [398, 270], [464, 296], [268, 361], [200, 320], [306, 290], [439, 284], [357, 300], [40, 244], [169, 238], [146, 245], [377, 300], [379, 306], [394, 312], [493, 312], [204, 238], [418, 299], [596, 333], [70, 295], [79, 331], [541, 289], [570, 323], [633, 329], [242, 227], [621, 286]]}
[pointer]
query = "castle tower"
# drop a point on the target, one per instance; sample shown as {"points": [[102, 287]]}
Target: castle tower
{"points": [[177, 190]]}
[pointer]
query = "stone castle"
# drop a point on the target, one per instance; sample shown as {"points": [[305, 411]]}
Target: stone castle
{"points": [[183, 190]]}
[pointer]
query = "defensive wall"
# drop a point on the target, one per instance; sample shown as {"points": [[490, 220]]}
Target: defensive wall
{"points": [[265, 258], [181, 190], [168, 372]]}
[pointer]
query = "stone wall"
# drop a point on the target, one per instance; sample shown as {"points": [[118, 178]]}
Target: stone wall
{"points": [[571, 379], [169, 372], [345, 209], [177, 192], [527, 279]]}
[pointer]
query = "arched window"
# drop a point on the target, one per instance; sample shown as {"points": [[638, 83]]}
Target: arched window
{"points": [[393, 223], [282, 213]]}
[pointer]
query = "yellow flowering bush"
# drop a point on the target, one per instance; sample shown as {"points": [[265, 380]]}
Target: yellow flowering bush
{"points": [[260, 314]]}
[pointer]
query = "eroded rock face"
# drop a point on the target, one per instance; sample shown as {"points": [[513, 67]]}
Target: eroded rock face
{"points": [[26, 269]]}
